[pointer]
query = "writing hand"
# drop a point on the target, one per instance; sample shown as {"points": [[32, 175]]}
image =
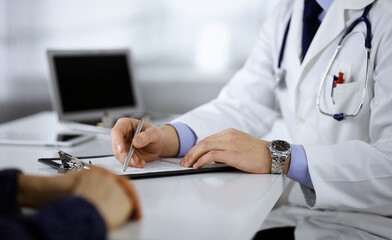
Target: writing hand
{"points": [[150, 143]]}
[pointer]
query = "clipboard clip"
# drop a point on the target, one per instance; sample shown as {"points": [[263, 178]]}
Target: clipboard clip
{"points": [[71, 163]]}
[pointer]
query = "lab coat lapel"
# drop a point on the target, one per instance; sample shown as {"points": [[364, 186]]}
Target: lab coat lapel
{"points": [[332, 26]]}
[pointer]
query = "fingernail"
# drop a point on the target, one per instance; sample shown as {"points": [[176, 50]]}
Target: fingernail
{"points": [[119, 147], [139, 140], [195, 165]]}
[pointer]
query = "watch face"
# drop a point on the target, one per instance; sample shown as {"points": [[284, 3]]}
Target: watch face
{"points": [[280, 145]]}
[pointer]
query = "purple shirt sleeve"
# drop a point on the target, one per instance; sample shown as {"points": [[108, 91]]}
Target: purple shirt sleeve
{"points": [[299, 166], [187, 137]]}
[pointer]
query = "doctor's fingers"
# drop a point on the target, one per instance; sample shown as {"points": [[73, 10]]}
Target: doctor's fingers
{"points": [[212, 143], [136, 161], [232, 158], [122, 133], [148, 146], [149, 135], [250, 162], [223, 140], [122, 136], [214, 156]]}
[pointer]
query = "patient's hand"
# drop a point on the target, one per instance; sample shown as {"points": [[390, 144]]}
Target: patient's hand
{"points": [[113, 196]]}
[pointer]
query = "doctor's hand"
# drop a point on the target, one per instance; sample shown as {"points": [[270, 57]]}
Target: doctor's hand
{"points": [[150, 143], [233, 147]]}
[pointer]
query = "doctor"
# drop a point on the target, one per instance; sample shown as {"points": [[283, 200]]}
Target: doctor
{"points": [[336, 106]]}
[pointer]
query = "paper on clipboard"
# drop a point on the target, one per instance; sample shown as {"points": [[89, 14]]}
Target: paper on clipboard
{"points": [[159, 165], [159, 168]]}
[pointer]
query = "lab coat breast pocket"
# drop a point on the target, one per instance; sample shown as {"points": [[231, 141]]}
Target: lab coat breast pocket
{"points": [[350, 72], [347, 97]]}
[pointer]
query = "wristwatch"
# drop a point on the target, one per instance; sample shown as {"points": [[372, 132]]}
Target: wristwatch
{"points": [[280, 151]]}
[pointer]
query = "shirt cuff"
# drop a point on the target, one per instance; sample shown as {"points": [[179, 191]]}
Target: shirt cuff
{"points": [[298, 170], [186, 136]]}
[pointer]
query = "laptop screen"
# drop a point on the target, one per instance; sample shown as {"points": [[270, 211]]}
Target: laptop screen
{"points": [[87, 84], [93, 82]]}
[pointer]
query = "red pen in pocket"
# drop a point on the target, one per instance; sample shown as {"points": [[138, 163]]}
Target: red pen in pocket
{"points": [[336, 80]]}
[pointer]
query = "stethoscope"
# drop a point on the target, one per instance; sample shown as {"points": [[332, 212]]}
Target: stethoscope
{"points": [[336, 116]]}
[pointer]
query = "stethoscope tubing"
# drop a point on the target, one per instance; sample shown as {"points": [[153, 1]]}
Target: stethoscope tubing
{"points": [[342, 116], [363, 18]]}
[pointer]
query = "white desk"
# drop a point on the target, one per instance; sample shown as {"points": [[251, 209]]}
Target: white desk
{"points": [[230, 205]]}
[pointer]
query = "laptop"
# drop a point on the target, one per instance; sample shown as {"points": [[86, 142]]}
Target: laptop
{"points": [[89, 85]]}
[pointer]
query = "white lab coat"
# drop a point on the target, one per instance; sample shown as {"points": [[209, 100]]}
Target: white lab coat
{"points": [[350, 162]]}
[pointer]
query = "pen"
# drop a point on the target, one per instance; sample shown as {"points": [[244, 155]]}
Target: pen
{"points": [[132, 148]]}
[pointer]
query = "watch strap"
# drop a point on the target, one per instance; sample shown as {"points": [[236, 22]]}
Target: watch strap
{"points": [[277, 164]]}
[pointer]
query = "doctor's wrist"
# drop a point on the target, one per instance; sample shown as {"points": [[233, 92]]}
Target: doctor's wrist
{"points": [[171, 141], [287, 165]]}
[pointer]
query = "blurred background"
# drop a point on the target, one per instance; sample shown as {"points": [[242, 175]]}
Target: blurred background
{"points": [[183, 51]]}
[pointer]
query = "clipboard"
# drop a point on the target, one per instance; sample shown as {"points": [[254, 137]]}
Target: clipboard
{"points": [[162, 167]]}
